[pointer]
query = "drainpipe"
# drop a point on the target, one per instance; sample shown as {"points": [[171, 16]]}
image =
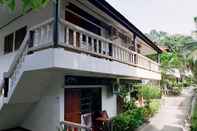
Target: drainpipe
{"points": [[56, 22]]}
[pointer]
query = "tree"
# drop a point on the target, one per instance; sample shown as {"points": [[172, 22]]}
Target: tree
{"points": [[170, 60], [156, 36], [190, 52], [176, 41], [182, 56], [26, 4], [171, 41]]}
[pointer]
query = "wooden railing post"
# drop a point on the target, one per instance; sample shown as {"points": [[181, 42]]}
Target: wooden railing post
{"points": [[74, 38]]}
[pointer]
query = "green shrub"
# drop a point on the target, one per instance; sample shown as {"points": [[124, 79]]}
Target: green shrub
{"points": [[151, 108], [177, 90], [129, 106], [154, 106], [149, 91], [129, 120], [194, 119]]}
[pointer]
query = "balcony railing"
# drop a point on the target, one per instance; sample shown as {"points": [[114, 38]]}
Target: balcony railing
{"points": [[71, 126], [75, 38], [81, 40]]}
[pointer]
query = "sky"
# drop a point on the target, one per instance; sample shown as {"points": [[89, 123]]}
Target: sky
{"points": [[172, 16]]}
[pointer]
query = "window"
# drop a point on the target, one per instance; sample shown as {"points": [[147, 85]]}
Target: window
{"points": [[8, 43], [19, 37], [13, 41], [82, 23]]}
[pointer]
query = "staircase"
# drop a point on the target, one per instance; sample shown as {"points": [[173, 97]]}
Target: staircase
{"points": [[10, 82]]}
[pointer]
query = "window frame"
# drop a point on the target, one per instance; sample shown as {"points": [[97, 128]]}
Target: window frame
{"points": [[14, 46]]}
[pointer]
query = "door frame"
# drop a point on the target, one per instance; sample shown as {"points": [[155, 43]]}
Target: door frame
{"points": [[83, 87]]}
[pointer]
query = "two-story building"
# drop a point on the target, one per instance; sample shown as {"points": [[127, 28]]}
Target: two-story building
{"points": [[65, 61]]}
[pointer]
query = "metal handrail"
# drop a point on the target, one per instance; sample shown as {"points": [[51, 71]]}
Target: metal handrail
{"points": [[68, 124]]}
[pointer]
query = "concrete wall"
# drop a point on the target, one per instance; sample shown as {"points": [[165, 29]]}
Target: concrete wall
{"points": [[5, 62], [49, 111], [46, 114]]}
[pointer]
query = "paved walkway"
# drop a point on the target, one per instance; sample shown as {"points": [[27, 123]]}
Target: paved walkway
{"points": [[172, 115]]}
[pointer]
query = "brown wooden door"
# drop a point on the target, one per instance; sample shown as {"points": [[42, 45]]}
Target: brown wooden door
{"points": [[72, 105]]}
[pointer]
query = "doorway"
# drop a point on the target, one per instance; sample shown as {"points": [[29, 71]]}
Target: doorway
{"points": [[81, 102]]}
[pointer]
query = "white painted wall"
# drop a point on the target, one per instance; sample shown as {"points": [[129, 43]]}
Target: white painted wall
{"points": [[109, 102], [5, 62], [46, 114], [49, 111]]}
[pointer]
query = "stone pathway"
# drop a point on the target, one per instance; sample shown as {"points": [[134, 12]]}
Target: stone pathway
{"points": [[173, 113]]}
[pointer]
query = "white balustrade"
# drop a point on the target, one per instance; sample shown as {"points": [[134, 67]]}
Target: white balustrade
{"points": [[43, 33], [92, 44]]}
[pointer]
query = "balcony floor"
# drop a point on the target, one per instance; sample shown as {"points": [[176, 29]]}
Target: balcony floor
{"points": [[83, 64]]}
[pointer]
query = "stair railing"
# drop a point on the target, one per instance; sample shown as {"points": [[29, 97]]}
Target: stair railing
{"points": [[14, 71], [71, 126]]}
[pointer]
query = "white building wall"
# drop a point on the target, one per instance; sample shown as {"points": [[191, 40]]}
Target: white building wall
{"points": [[5, 62], [47, 113], [109, 102]]}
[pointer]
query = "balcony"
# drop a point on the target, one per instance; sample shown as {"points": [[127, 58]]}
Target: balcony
{"points": [[77, 39], [83, 45]]}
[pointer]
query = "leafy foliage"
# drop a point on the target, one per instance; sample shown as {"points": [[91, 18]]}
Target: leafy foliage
{"points": [[175, 41], [152, 108], [129, 120], [26, 4], [190, 51], [156, 36], [172, 41], [170, 60], [183, 53], [149, 91], [129, 106]]}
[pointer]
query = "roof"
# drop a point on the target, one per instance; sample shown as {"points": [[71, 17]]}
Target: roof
{"points": [[111, 11]]}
